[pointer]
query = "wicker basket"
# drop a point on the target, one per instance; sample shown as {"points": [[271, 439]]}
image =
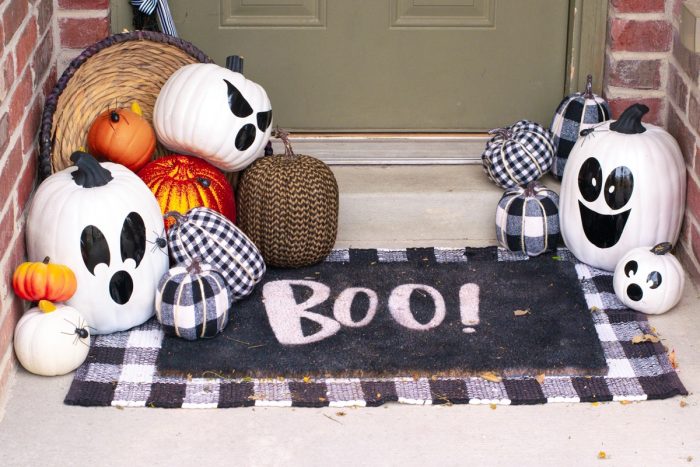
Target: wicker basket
{"points": [[111, 73]]}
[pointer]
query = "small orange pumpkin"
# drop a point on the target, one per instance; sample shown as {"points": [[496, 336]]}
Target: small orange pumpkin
{"points": [[181, 183], [122, 136], [34, 281]]}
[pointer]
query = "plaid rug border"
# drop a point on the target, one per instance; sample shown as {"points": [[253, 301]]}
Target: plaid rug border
{"points": [[120, 369]]}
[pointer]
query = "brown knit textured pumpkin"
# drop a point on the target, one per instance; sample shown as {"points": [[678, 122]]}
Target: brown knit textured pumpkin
{"points": [[288, 207]]}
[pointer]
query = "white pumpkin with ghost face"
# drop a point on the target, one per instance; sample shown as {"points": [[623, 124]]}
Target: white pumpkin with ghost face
{"points": [[104, 223], [649, 280], [214, 113], [623, 187]]}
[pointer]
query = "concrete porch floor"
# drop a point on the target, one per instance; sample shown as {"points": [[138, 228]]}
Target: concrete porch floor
{"points": [[380, 206]]}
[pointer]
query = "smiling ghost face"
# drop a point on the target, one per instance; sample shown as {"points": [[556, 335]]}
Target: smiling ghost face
{"points": [[604, 229]]}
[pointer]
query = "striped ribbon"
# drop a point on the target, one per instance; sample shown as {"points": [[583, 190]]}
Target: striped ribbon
{"points": [[162, 9]]}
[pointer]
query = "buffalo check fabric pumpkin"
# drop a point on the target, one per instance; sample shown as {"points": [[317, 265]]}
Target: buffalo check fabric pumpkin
{"points": [[575, 113], [121, 371], [518, 155], [209, 237], [193, 302], [527, 220]]}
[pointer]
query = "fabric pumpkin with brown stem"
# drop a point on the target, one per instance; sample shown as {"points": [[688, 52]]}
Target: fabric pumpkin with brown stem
{"points": [[288, 206]]}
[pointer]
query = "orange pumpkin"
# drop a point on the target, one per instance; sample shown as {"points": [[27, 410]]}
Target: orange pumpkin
{"points": [[181, 183], [34, 281], [122, 136]]}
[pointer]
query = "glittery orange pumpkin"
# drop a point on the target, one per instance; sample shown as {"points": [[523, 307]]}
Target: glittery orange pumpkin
{"points": [[181, 183]]}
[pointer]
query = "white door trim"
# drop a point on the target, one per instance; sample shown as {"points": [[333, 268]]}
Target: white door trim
{"points": [[389, 149]]}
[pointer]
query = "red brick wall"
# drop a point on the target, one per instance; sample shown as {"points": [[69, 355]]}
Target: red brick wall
{"points": [[37, 39], [645, 62], [27, 61]]}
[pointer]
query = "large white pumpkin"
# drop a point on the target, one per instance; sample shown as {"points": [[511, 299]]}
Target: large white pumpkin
{"points": [[649, 280], [52, 343], [104, 223], [214, 113], [623, 187]]}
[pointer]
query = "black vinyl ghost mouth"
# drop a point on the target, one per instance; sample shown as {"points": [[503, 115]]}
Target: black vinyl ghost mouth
{"points": [[121, 287], [603, 230]]}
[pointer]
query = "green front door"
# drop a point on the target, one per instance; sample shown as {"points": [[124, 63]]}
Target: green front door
{"points": [[390, 65]]}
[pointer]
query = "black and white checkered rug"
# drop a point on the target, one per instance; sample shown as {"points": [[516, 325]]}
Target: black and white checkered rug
{"points": [[121, 369]]}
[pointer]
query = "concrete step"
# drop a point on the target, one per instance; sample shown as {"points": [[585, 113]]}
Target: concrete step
{"points": [[417, 205]]}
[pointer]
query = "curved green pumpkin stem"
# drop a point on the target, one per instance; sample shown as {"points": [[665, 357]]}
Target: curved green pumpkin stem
{"points": [[90, 173], [588, 93], [283, 135], [630, 122], [662, 248]]}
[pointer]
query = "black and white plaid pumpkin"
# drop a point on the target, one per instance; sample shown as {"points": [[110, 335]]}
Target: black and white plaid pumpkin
{"points": [[193, 301], [575, 113], [527, 220], [213, 239], [519, 154]]}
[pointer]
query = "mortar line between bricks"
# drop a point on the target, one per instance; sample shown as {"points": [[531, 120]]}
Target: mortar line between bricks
{"points": [[629, 55], [614, 92], [82, 14], [653, 16]]}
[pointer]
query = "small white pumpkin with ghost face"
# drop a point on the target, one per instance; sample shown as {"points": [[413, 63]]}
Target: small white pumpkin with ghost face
{"points": [[623, 187], [214, 113], [51, 340], [649, 280], [104, 223]]}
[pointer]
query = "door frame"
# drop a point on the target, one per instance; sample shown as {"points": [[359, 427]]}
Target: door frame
{"points": [[585, 55]]}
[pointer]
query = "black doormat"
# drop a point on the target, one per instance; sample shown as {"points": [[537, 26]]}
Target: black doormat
{"points": [[552, 333], [534, 317]]}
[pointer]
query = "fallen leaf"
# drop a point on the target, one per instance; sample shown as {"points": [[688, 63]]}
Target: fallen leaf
{"points": [[556, 258], [307, 379], [595, 309], [247, 379], [689, 459], [521, 312], [595, 404], [540, 378], [602, 455], [340, 414], [119, 407], [491, 376], [379, 395], [493, 406], [683, 403], [645, 338], [625, 402], [672, 359]]}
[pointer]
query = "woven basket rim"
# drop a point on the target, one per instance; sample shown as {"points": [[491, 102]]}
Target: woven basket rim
{"points": [[45, 143]]}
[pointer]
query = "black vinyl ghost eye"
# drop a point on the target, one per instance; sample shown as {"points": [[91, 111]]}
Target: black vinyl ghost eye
{"points": [[590, 179], [133, 238], [654, 279], [618, 187], [245, 137], [631, 268], [264, 120], [237, 103], [94, 248]]}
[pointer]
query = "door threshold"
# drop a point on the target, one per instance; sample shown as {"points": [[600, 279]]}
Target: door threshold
{"points": [[389, 148]]}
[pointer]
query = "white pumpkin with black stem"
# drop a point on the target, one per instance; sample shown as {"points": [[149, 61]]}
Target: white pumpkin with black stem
{"points": [[104, 223], [649, 280], [623, 187], [51, 340], [214, 113]]}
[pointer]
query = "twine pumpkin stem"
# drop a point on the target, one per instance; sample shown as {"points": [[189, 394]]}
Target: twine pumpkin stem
{"points": [[283, 135], [530, 189], [194, 266], [46, 260], [588, 93], [504, 133]]}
